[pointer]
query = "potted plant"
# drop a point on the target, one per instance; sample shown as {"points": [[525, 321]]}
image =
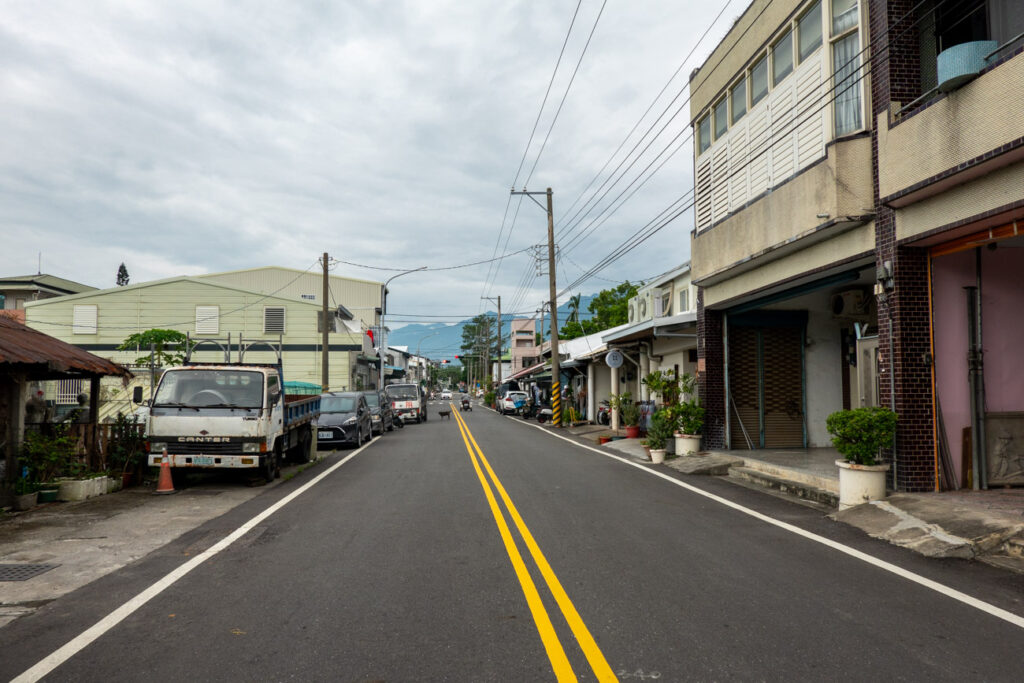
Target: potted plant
{"points": [[630, 412], [659, 433], [689, 418], [489, 398], [25, 493], [860, 435], [125, 455]]}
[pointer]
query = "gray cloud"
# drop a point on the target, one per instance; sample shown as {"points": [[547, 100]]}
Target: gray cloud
{"points": [[190, 137]]}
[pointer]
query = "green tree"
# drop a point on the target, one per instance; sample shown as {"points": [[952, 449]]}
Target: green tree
{"points": [[122, 275], [608, 309], [168, 346]]}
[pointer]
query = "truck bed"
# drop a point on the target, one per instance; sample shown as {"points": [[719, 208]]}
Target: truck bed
{"points": [[299, 408]]}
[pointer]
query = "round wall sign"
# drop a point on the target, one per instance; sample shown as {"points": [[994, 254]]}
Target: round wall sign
{"points": [[614, 359]]}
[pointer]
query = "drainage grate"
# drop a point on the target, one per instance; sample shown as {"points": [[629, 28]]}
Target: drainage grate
{"points": [[23, 572]]}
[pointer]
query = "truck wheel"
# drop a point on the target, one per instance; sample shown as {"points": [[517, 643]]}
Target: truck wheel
{"points": [[271, 468]]}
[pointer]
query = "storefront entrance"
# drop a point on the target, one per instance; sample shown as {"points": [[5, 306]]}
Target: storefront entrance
{"points": [[766, 380]]}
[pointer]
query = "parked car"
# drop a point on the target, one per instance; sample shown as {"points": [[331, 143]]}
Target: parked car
{"points": [[507, 403], [382, 418], [344, 420], [446, 395]]}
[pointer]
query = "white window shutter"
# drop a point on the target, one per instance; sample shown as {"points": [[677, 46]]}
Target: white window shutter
{"points": [[207, 319], [84, 319], [273, 320]]}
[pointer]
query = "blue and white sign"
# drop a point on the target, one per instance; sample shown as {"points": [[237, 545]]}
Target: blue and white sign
{"points": [[614, 359]]}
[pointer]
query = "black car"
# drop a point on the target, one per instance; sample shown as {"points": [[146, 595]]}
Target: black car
{"points": [[381, 416], [344, 419]]}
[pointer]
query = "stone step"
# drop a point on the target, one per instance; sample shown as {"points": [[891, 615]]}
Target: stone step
{"points": [[800, 489], [818, 481], [1014, 563]]}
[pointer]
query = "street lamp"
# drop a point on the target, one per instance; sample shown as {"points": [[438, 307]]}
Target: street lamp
{"points": [[383, 310]]}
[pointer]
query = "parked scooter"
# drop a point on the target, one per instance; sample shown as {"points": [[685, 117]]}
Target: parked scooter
{"points": [[529, 409], [604, 413]]}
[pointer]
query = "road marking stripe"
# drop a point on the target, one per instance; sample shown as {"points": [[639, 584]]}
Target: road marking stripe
{"points": [[583, 636], [986, 607], [556, 653], [84, 639]]}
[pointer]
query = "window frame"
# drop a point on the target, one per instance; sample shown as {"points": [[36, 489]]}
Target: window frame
{"points": [[733, 118], [787, 34], [799, 32], [767, 79], [854, 28], [701, 147], [724, 101]]}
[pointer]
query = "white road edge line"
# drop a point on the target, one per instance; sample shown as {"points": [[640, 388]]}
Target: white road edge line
{"points": [[84, 639], [988, 608]]}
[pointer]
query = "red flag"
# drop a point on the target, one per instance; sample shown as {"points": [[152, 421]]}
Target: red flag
{"points": [[369, 333]]}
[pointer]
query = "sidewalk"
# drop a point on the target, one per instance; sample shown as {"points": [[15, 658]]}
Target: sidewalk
{"points": [[86, 540], [984, 525]]}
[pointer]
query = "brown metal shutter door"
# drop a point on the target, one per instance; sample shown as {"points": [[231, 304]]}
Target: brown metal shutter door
{"points": [[743, 387], [783, 388]]}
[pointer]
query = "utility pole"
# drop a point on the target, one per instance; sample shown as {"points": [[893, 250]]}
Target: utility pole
{"points": [[499, 335], [556, 379], [326, 340]]}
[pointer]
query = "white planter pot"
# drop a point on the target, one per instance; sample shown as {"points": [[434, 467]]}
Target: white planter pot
{"points": [[657, 455], [75, 489], [860, 483], [687, 444]]}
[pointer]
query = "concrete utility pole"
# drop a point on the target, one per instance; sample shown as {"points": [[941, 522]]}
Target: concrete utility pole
{"points": [[326, 339], [489, 298], [556, 378]]}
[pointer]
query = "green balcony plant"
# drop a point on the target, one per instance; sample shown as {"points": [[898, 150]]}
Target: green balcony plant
{"points": [[860, 434]]}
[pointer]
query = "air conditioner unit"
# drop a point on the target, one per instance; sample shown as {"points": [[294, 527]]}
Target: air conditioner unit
{"points": [[850, 304], [644, 306], [633, 318]]}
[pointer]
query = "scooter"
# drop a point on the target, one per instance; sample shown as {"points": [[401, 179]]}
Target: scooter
{"points": [[604, 413], [529, 409], [465, 404]]}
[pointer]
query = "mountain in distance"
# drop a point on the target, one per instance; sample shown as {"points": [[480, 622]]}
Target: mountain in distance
{"points": [[440, 341]]}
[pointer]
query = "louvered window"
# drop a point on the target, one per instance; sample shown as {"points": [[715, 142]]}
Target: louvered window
{"points": [[273, 320], [83, 319], [207, 319]]}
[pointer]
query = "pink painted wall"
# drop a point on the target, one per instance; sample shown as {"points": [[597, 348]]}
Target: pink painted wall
{"points": [[1002, 335]]}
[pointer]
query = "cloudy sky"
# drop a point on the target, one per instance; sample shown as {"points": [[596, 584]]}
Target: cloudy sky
{"points": [[198, 136]]}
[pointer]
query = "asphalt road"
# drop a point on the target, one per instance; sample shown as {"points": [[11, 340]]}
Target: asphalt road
{"points": [[421, 557]]}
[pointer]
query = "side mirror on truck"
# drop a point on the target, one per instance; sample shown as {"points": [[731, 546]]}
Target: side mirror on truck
{"points": [[137, 395]]}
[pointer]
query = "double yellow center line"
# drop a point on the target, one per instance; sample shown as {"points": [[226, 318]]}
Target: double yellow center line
{"points": [[553, 646]]}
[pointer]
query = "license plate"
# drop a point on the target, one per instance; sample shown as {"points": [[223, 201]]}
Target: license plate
{"points": [[325, 435], [202, 460]]}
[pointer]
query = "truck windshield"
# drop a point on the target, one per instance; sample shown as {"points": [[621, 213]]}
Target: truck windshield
{"points": [[210, 389], [407, 392], [337, 404]]}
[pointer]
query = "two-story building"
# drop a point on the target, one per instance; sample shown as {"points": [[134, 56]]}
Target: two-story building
{"points": [[783, 250], [16, 291], [522, 345], [946, 81]]}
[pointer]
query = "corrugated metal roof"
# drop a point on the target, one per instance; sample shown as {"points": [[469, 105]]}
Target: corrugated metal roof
{"points": [[20, 345]]}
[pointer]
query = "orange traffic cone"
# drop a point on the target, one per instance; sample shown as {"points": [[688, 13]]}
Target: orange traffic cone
{"points": [[165, 485]]}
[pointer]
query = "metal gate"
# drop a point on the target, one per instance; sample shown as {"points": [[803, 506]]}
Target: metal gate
{"points": [[766, 387]]}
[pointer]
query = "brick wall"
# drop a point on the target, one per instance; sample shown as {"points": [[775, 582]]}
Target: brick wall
{"points": [[895, 77], [711, 381]]}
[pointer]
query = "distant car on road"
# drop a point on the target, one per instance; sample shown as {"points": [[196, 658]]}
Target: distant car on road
{"points": [[446, 395], [344, 420], [382, 418], [507, 403]]}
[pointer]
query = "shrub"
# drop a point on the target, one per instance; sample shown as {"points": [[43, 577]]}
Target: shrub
{"points": [[661, 429], [860, 434]]}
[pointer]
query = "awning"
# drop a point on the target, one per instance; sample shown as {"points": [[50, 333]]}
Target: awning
{"points": [[368, 358], [526, 371], [649, 328]]}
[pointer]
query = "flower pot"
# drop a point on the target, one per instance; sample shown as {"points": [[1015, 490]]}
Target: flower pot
{"points": [[603, 439], [647, 450], [75, 489], [47, 496], [25, 501], [127, 479], [860, 483], [687, 444], [657, 455], [633, 431]]}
